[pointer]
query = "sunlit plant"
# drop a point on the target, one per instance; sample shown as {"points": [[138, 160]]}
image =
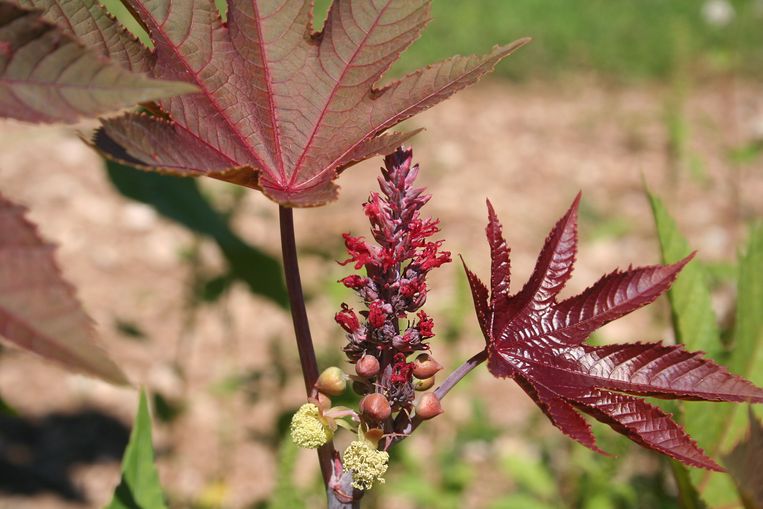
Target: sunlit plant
{"points": [[257, 97]]}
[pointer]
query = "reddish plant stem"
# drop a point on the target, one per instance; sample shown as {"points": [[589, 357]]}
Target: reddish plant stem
{"points": [[460, 372], [301, 326], [407, 425]]}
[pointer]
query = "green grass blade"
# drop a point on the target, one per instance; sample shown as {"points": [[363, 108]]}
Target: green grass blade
{"points": [[139, 488], [718, 428], [690, 303], [747, 356], [746, 359], [695, 326]]}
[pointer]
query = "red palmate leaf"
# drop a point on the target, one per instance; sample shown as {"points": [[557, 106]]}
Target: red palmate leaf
{"points": [[38, 309], [539, 342], [282, 108]]}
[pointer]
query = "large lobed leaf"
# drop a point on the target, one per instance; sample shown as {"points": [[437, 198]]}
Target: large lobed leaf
{"points": [[38, 309], [282, 108], [47, 75], [539, 342]]}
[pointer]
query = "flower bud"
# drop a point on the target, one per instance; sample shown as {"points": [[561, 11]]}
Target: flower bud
{"points": [[425, 366], [429, 406], [332, 381], [355, 282], [367, 366], [425, 324], [376, 407], [424, 385], [347, 319], [377, 314]]}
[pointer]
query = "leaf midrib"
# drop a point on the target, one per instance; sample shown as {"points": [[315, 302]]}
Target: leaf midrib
{"points": [[604, 314], [389, 122], [202, 86], [326, 105], [647, 388], [271, 97]]}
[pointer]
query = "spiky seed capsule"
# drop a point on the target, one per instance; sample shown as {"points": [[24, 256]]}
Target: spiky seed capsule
{"points": [[425, 366], [332, 381], [308, 428], [366, 463], [376, 407], [429, 406], [367, 366], [424, 385]]}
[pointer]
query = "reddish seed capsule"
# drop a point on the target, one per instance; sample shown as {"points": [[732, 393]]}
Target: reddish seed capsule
{"points": [[376, 407], [367, 366], [425, 366], [429, 406]]}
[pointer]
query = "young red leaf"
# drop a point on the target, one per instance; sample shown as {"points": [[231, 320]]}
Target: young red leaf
{"points": [[480, 295], [281, 108], [38, 309], [500, 263], [539, 342]]}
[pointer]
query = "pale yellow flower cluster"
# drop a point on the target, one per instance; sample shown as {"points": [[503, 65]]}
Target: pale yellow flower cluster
{"points": [[308, 428], [366, 463]]}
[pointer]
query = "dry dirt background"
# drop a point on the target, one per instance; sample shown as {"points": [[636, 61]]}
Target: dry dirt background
{"points": [[530, 148]]}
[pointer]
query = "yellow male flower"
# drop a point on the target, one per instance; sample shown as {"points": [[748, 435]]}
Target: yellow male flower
{"points": [[309, 429], [366, 463]]}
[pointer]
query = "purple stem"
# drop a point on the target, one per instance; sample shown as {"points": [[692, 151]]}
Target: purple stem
{"points": [[406, 428], [301, 326], [460, 372]]}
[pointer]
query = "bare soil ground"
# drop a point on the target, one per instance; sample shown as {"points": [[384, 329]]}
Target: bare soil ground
{"points": [[529, 148]]}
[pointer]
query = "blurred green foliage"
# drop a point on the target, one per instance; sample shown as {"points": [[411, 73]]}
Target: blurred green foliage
{"points": [[622, 39], [647, 39], [6, 409]]}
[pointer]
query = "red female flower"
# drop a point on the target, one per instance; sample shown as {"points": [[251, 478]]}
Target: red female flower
{"points": [[395, 282]]}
